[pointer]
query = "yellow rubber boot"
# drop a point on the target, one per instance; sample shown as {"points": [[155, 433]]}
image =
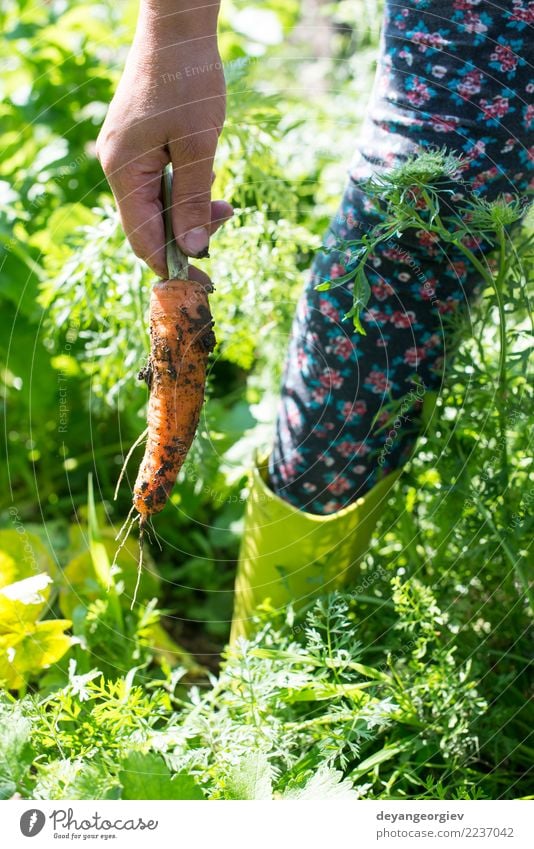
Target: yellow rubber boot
{"points": [[288, 555]]}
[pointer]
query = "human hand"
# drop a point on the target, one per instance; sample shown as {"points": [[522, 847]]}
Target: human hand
{"points": [[169, 107]]}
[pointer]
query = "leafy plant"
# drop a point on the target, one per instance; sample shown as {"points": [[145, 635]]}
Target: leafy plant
{"points": [[294, 712], [29, 643], [415, 196], [416, 689]]}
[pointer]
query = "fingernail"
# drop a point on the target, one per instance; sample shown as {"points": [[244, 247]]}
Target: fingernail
{"points": [[205, 254], [196, 241]]}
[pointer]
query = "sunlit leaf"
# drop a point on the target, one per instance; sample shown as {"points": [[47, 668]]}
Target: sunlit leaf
{"points": [[22, 554]]}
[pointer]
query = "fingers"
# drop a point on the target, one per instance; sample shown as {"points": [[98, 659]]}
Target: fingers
{"points": [[140, 211], [199, 276], [220, 212], [192, 160], [137, 193], [136, 187]]}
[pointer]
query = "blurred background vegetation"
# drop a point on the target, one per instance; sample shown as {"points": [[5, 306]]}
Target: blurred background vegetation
{"points": [[73, 335], [74, 298]]}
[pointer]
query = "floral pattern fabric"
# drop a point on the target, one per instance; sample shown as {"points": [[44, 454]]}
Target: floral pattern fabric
{"points": [[454, 74]]}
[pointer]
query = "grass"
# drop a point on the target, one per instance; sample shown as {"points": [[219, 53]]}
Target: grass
{"points": [[415, 684]]}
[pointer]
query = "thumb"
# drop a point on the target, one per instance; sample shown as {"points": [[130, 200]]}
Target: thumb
{"points": [[192, 161]]}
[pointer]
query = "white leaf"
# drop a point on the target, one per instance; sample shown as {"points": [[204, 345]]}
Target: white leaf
{"points": [[28, 591], [328, 784], [251, 778]]}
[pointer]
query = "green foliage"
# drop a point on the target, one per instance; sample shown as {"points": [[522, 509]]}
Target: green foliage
{"points": [[146, 776], [89, 736], [16, 753], [413, 686], [414, 196], [293, 713]]}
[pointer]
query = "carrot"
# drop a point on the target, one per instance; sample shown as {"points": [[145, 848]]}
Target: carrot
{"points": [[181, 338]]}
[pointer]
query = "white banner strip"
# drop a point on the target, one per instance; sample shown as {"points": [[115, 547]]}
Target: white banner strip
{"points": [[269, 825]]}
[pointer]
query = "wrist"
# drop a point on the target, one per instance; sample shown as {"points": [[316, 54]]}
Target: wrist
{"points": [[176, 19]]}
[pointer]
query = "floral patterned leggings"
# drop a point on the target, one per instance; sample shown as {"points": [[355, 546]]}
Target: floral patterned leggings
{"points": [[451, 73]]}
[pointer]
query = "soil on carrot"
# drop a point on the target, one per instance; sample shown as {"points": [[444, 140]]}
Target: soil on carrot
{"points": [[175, 376]]}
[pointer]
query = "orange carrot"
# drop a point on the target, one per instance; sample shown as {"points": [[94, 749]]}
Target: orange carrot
{"points": [[181, 336], [181, 339]]}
